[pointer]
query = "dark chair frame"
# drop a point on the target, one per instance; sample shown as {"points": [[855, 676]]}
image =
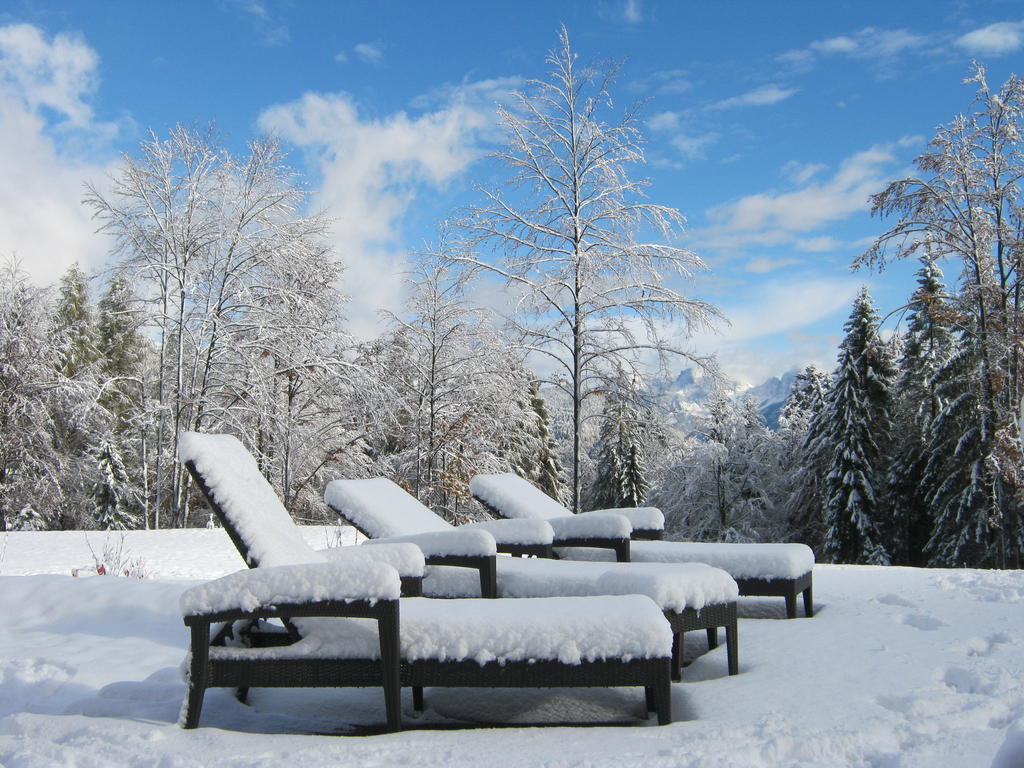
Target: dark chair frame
{"points": [[709, 618], [390, 671], [782, 587], [787, 588]]}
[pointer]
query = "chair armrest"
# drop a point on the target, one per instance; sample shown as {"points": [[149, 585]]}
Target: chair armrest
{"points": [[590, 526], [519, 531], [267, 590], [641, 518], [455, 542], [406, 558]]}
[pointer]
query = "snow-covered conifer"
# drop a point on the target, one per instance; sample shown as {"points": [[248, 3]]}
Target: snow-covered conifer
{"points": [[927, 344], [852, 434], [620, 469]]}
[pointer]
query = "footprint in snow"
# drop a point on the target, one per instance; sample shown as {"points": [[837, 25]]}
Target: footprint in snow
{"points": [[920, 621], [982, 646], [971, 681], [895, 600]]}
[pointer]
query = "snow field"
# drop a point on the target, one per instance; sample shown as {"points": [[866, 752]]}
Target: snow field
{"points": [[901, 667]]}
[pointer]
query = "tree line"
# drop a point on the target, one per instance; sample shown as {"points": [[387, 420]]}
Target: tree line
{"points": [[223, 310]]}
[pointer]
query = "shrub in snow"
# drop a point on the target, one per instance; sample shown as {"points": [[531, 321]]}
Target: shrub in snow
{"points": [[113, 561]]}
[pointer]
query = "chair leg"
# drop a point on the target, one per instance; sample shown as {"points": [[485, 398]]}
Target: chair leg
{"points": [[242, 694], [809, 601], [663, 699], [649, 698], [197, 678], [489, 579], [417, 698], [732, 642], [193, 706], [676, 671], [712, 638], [390, 663], [622, 551], [791, 605]]}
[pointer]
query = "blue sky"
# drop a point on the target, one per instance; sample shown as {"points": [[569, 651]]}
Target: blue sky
{"points": [[768, 125]]}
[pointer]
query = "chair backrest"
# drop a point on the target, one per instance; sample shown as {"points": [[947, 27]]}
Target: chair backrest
{"points": [[381, 508], [511, 496], [244, 501]]}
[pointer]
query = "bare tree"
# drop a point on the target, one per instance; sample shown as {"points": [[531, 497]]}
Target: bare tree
{"points": [[570, 227], [203, 235], [455, 386]]}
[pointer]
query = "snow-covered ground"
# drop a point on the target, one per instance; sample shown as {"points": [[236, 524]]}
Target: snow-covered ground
{"points": [[901, 667]]}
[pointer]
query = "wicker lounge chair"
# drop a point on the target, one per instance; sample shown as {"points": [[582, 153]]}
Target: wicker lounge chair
{"points": [[323, 602], [779, 570], [693, 596]]}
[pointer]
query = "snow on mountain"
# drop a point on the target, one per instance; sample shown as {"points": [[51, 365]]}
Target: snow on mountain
{"points": [[686, 396]]}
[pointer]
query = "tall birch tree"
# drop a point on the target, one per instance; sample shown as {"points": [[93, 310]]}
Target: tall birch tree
{"points": [[587, 256]]}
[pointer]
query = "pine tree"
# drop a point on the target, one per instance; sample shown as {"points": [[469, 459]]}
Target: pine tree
{"points": [[120, 350], [959, 486], [111, 491], [74, 414], [801, 465], [854, 427], [927, 345], [73, 324], [549, 474], [620, 474]]}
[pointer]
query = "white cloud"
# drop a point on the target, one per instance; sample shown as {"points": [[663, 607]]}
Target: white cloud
{"points": [[841, 44], [995, 39], [632, 12], [58, 74], [274, 33], [666, 81], [664, 121], [45, 86], [880, 48], [688, 145], [768, 328], [371, 171], [764, 265], [800, 173], [810, 207], [764, 96], [372, 53], [821, 244], [873, 43], [692, 146], [628, 11]]}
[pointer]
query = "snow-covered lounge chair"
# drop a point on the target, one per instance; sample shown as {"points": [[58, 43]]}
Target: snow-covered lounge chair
{"points": [[693, 596], [772, 569], [326, 600]]}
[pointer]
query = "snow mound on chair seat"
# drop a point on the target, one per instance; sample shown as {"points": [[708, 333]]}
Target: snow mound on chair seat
{"points": [[251, 589], [513, 496], [591, 526], [672, 587], [453, 542], [381, 508], [566, 629], [515, 531], [407, 559], [643, 518], [248, 500], [741, 561]]}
